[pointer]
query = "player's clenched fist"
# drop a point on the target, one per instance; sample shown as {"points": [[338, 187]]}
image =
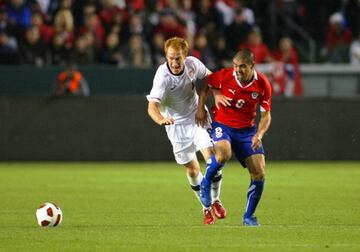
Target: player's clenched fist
{"points": [[166, 121]]}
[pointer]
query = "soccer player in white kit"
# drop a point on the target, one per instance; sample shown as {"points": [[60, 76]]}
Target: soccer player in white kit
{"points": [[173, 102]]}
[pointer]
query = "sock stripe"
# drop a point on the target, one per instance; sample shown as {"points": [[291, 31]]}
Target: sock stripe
{"points": [[248, 201], [217, 178], [196, 187]]}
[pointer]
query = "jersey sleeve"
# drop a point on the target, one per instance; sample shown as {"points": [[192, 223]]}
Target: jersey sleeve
{"points": [[201, 70], [214, 79], [265, 102], [158, 90]]}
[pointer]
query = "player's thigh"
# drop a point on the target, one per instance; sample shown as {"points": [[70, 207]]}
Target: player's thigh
{"points": [[256, 166], [242, 145], [223, 151]]}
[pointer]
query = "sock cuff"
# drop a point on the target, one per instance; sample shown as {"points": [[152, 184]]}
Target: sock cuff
{"points": [[195, 188], [217, 178], [257, 182]]}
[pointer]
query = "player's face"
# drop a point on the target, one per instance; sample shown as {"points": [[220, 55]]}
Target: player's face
{"points": [[244, 71], [176, 60]]}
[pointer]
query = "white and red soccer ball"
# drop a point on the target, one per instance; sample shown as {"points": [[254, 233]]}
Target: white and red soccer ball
{"points": [[49, 215]]}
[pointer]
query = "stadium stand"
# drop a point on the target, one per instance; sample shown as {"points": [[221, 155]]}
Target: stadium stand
{"points": [[83, 28]]}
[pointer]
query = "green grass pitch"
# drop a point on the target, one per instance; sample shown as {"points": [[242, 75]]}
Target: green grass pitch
{"points": [[149, 206]]}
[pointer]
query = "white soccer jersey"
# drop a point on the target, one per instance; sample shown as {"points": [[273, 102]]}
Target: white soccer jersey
{"points": [[177, 93]]}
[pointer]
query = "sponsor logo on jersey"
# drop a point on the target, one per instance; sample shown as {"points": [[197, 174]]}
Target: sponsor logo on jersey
{"points": [[232, 91], [254, 95]]}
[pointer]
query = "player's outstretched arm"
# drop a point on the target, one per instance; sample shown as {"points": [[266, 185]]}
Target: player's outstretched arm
{"points": [[201, 117], [264, 124], [154, 113]]}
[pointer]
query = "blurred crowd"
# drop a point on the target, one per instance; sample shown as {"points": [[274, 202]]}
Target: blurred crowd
{"points": [[131, 33]]}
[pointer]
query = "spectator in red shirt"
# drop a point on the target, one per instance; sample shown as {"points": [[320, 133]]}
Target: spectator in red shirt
{"points": [[169, 26], [135, 5], [256, 45], [46, 31], [287, 81], [93, 25], [109, 11]]}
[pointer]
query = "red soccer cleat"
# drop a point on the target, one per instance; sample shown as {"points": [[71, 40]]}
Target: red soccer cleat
{"points": [[209, 218], [218, 209]]}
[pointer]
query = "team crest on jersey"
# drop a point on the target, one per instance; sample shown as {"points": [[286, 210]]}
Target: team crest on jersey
{"points": [[254, 95]]}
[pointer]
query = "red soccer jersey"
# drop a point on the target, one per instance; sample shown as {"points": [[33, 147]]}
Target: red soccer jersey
{"points": [[241, 113]]}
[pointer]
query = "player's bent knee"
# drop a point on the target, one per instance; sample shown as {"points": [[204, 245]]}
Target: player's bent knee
{"points": [[258, 174], [257, 177], [192, 173], [221, 158], [192, 169]]}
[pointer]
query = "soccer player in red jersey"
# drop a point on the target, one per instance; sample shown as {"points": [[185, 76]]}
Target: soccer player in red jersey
{"points": [[240, 90]]}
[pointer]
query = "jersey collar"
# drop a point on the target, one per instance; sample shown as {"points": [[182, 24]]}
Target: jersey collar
{"points": [[248, 85], [177, 75]]}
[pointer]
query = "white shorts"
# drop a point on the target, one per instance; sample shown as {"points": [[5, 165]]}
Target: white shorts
{"points": [[186, 140]]}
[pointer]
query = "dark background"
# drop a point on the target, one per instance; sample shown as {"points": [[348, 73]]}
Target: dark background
{"points": [[118, 128]]}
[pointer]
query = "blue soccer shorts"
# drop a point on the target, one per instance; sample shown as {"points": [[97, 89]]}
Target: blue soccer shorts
{"points": [[240, 140]]}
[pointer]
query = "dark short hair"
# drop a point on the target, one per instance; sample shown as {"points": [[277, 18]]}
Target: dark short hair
{"points": [[245, 54]]}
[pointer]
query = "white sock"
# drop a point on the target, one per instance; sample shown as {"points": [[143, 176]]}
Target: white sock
{"points": [[216, 186], [195, 184]]}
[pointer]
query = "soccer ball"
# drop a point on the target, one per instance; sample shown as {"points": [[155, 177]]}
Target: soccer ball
{"points": [[49, 215]]}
